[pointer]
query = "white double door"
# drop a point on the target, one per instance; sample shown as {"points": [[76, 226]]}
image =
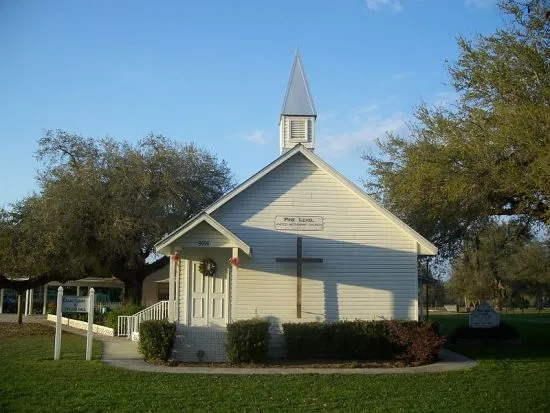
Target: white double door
{"points": [[207, 297]]}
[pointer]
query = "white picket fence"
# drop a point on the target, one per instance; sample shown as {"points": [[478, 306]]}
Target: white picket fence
{"points": [[129, 324]]}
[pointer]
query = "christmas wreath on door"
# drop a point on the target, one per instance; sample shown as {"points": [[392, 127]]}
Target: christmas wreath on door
{"points": [[208, 267]]}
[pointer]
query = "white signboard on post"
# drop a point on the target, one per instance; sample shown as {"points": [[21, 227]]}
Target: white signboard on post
{"points": [[75, 304]]}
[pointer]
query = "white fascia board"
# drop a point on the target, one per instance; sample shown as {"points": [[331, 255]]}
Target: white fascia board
{"points": [[159, 246], [167, 240], [228, 234], [425, 247], [253, 179], [162, 245]]}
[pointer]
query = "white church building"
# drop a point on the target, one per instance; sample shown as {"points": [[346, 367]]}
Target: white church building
{"points": [[296, 242]]}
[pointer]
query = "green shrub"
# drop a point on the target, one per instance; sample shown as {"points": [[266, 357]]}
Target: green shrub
{"points": [[248, 341], [305, 340], [502, 332], [348, 340], [361, 340], [156, 339], [111, 319]]}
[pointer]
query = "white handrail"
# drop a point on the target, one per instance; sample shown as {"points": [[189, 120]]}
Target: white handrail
{"points": [[128, 324]]}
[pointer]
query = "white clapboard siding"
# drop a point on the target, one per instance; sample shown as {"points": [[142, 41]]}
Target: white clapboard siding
{"points": [[203, 235], [369, 269]]}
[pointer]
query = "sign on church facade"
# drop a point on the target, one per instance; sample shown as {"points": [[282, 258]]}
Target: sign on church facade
{"points": [[300, 223]]}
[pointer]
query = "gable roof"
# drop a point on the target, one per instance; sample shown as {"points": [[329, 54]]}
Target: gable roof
{"points": [[424, 247], [298, 100], [192, 223]]}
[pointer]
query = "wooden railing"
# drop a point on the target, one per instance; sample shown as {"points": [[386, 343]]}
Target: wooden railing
{"points": [[128, 324]]}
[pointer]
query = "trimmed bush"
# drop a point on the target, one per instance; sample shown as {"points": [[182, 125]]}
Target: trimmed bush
{"points": [[248, 341], [156, 339], [362, 340], [503, 332], [348, 340]]}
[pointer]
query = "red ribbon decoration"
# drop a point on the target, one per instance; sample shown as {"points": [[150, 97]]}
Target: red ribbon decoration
{"points": [[234, 261]]}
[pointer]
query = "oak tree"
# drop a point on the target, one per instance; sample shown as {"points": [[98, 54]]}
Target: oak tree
{"points": [[108, 202], [488, 154]]}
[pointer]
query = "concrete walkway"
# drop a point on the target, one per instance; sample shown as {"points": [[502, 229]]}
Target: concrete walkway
{"points": [[122, 353]]}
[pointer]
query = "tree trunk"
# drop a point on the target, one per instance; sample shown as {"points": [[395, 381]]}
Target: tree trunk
{"points": [[133, 280], [19, 307], [134, 290]]}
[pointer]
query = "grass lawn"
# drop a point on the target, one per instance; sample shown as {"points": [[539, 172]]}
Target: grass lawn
{"points": [[508, 379]]}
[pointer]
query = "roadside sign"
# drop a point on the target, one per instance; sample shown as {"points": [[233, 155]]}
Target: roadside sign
{"points": [[75, 304]]}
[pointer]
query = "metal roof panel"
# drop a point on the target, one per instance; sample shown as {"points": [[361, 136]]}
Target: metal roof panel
{"points": [[298, 100]]}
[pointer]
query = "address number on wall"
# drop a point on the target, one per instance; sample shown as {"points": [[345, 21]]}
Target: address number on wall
{"points": [[204, 243]]}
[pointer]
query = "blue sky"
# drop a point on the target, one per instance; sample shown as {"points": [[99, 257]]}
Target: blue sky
{"points": [[215, 72]]}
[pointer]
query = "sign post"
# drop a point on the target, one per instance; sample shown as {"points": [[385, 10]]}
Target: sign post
{"points": [[89, 335], [57, 346], [74, 304]]}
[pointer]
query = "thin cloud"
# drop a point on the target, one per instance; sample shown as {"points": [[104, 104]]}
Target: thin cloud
{"points": [[393, 5], [367, 125], [480, 4], [400, 77], [367, 110], [325, 116], [257, 138]]}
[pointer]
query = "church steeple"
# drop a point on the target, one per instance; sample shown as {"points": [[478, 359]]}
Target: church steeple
{"points": [[297, 121]]}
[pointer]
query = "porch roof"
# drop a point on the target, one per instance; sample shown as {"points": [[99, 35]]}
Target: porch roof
{"points": [[163, 246]]}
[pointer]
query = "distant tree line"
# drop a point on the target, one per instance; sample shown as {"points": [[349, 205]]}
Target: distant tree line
{"points": [[504, 265]]}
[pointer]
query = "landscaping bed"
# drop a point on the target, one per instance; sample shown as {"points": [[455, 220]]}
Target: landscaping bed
{"points": [[507, 379], [347, 344]]}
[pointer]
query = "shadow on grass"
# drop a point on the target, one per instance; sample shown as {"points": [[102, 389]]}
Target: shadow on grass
{"points": [[524, 352], [532, 328]]}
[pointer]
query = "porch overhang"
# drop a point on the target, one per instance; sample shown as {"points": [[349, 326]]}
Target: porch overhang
{"points": [[169, 243]]}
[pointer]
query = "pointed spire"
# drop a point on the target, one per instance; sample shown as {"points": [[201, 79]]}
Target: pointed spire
{"points": [[298, 100]]}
